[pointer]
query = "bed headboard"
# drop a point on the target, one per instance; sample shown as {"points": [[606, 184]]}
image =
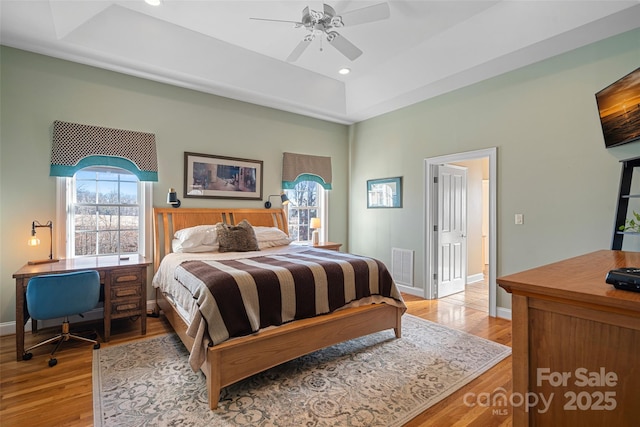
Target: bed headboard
{"points": [[166, 221]]}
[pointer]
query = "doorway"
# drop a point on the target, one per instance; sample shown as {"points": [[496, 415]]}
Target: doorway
{"points": [[485, 240]]}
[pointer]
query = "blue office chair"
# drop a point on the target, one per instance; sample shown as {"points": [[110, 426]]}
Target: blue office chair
{"points": [[62, 295]]}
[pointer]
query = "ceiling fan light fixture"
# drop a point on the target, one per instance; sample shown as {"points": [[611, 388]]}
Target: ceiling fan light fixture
{"points": [[344, 71], [324, 22]]}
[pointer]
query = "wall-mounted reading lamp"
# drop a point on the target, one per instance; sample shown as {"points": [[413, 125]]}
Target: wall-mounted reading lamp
{"points": [[172, 198], [34, 241], [283, 198]]}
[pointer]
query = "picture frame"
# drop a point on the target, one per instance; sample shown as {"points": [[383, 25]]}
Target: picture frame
{"points": [[384, 193], [209, 176]]}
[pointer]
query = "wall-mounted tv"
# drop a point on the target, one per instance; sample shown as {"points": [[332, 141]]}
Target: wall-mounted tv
{"points": [[619, 108]]}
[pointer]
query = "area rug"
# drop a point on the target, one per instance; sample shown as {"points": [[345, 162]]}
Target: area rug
{"points": [[375, 380]]}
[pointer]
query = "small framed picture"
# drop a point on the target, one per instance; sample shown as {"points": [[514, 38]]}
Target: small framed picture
{"points": [[219, 177], [384, 193]]}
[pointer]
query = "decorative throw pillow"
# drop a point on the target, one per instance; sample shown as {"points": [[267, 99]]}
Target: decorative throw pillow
{"points": [[237, 238]]}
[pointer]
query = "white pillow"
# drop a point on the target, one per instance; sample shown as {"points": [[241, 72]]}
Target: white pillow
{"points": [[177, 247], [269, 237], [201, 238]]}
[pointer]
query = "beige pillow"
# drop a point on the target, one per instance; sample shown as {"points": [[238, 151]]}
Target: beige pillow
{"points": [[237, 238]]}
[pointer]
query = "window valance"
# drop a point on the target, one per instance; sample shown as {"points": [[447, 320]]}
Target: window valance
{"points": [[303, 167], [76, 146]]}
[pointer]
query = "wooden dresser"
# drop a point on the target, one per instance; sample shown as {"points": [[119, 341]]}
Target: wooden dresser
{"points": [[124, 283], [576, 343]]}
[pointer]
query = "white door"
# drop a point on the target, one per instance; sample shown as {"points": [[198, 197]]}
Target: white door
{"points": [[451, 229]]}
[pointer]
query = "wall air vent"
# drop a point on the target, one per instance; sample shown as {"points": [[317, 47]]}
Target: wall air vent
{"points": [[402, 266]]}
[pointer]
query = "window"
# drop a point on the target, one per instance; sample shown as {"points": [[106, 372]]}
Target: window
{"points": [[308, 200], [105, 213]]}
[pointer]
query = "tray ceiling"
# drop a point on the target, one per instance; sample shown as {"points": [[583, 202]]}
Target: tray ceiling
{"points": [[424, 49]]}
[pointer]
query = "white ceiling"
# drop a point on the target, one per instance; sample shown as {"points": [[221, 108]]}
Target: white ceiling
{"points": [[426, 48]]}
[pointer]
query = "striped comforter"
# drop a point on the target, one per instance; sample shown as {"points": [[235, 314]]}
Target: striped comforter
{"points": [[238, 297]]}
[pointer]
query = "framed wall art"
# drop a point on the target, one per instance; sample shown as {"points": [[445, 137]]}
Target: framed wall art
{"points": [[219, 177], [384, 193]]}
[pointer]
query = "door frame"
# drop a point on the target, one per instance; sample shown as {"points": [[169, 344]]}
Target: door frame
{"points": [[428, 212]]}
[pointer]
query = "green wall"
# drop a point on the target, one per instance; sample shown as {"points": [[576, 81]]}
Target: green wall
{"points": [[552, 164], [36, 90]]}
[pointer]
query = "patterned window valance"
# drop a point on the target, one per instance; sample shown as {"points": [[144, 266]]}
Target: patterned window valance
{"points": [[303, 167], [77, 146]]}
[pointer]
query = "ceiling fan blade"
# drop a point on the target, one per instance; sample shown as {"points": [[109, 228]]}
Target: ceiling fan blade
{"points": [[297, 23], [367, 14], [343, 45], [300, 48]]}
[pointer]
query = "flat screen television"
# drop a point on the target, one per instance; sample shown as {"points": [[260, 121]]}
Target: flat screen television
{"points": [[619, 108]]}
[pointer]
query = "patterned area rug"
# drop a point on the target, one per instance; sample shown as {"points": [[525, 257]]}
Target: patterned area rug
{"points": [[375, 380]]}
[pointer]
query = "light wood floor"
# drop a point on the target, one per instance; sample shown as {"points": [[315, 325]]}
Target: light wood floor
{"points": [[32, 394], [475, 295]]}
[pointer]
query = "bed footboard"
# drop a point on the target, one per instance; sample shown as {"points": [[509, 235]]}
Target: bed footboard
{"points": [[240, 358]]}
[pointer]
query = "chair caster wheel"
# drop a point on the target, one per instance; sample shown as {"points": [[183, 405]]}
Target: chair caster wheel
{"points": [[96, 346], [53, 362], [27, 356]]}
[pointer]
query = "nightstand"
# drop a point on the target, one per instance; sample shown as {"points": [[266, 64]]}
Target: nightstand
{"points": [[332, 246]]}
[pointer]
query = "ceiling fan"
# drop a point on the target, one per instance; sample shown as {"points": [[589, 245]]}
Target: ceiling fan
{"points": [[324, 24]]}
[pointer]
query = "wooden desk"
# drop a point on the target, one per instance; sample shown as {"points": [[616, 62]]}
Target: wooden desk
{"points": [[568, 321], [125, 289]]}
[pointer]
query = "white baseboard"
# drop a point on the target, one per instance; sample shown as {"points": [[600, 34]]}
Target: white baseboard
{"points": [[418, 292], [9, 328], [504, 313], [475, 278]]}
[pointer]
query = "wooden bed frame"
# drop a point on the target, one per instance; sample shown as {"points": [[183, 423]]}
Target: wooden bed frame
{"points": [[239, 358]]}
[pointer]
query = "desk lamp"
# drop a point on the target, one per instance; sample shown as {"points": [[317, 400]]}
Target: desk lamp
{"points": [[34, 241]]}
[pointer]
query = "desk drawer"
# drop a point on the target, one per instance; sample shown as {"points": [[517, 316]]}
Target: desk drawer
{"points": [[133, 275], [126, 291], [126, 307]]}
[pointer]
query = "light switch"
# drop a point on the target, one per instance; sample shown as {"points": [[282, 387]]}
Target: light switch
{"points": [[519, 219]]}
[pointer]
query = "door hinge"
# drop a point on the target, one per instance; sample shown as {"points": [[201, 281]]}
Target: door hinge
{"points": [[435, 276], [435, 179], [435, 228]]}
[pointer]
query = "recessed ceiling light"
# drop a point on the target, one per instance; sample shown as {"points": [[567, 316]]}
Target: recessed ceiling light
{"points": [[153, 2], [344, 71]]}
